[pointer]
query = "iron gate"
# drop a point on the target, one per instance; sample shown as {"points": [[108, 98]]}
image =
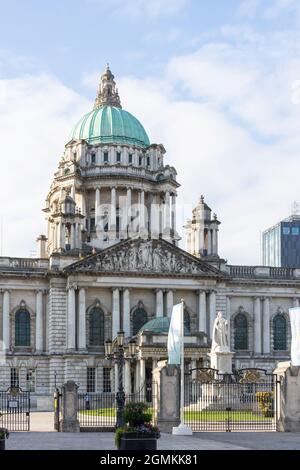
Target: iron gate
{"points": [[243, 401], [15, 409], [98, 411]]}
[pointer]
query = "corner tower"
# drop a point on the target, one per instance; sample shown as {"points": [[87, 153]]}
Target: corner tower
{"points": [[111, 183]]}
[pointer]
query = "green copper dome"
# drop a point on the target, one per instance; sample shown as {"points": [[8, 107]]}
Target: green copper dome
{"points": [[157, 325], [110, 124], [162, 325]]}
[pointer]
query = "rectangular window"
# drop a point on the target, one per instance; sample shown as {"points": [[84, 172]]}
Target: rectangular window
{"points": [[14, 377], [118, 157], [93, 158], [130, 158], [106, 380], [286, 230], [30, 380], [91, 379], [105, 157], [92, 226], [295, 231], [140, 161], [148, 161]]}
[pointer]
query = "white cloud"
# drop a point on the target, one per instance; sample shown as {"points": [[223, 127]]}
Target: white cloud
{"points": [[143, 9], [36, 116]]}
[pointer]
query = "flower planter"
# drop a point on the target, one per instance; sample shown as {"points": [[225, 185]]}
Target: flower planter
{"points": [[138, 441], [2, 444]]}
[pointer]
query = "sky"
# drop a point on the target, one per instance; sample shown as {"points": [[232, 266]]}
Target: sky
{"points": [[218, 83]]}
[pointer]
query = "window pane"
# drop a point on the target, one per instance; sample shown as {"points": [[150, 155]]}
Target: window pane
{"points": [[106, 380], [22, 326], [295, 231], [286, 230], [91, 380], [96, 327], [14, 377], [240, 332], [139, 319], [279, 328]]}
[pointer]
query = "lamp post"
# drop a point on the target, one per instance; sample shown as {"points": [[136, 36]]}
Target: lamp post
{"points": [[115, 350]]}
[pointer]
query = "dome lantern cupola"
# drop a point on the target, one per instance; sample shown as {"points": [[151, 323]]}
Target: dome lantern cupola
{"points": [[107, 93]]}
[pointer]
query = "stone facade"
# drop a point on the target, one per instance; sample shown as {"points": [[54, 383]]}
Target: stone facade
{"points": [[111, 261]]}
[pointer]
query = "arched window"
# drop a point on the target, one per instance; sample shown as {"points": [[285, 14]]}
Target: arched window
{"points": [[279, 333], [139, 318], [96, 327], [187, 322], [22, 328], [240, 332]]}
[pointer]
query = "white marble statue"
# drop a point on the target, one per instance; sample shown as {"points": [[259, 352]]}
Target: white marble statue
{"points": [[220, 334]]}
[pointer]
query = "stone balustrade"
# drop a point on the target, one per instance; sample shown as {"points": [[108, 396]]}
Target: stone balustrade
{"points": [[23, 264], [263, 272]]}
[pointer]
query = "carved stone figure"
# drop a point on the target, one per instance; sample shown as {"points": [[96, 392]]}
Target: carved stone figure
{"points": [[220, 334]]}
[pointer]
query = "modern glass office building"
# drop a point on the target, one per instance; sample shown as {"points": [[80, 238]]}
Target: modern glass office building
{"points": [[281, 243]]}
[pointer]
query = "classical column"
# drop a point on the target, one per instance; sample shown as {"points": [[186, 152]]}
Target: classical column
{"points": [[97, 207], [73, 237], [159, 303], [174, 213], [202, 311], [62, 242], [58, 235], [82, 319], [39, 321], [154, 364], [257, 325], [142, 212], [6, 308], [142, 375], [228, 316], [126, 312], [193, 366], [154, 217], [127, 381], [113, 213], [170, 302], [212, 311], [208, 241], [295, 302], [115, 313], [128, 212], [71, 322], [215, 241], [137, 376], [201, 242], [167, 213], [266, 326]]}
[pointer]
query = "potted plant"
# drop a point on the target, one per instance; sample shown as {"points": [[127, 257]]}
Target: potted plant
{"points": [[3, 435], [138, 432]]}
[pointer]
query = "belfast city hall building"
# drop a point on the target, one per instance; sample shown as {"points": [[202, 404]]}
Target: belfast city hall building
{"points": [[110, 262]]}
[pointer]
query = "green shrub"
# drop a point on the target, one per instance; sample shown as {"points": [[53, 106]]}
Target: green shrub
{"points": [[136, 414]]}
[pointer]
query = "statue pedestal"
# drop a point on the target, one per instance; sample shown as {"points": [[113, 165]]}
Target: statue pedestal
{"points": [[222, 361]]}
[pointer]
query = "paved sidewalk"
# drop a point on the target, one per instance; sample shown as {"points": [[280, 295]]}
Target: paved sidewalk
{"points": [[104, 441]]}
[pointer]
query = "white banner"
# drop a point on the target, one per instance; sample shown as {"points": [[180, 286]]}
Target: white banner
{"points": [[295, 327], [175, 336]]}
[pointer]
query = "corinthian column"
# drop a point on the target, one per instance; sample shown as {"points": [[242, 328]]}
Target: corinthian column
{"points": [[257, 325], [115, 313], [202, 311], [71, 321], [6, 308], [82, 319], [126, 312], [266, 324], [39, 322]]}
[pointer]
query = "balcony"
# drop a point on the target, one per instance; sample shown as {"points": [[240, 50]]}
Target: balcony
{"points": [[8, 264]]}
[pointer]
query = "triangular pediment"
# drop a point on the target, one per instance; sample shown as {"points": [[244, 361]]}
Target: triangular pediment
{"points": [[144, 257]]}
